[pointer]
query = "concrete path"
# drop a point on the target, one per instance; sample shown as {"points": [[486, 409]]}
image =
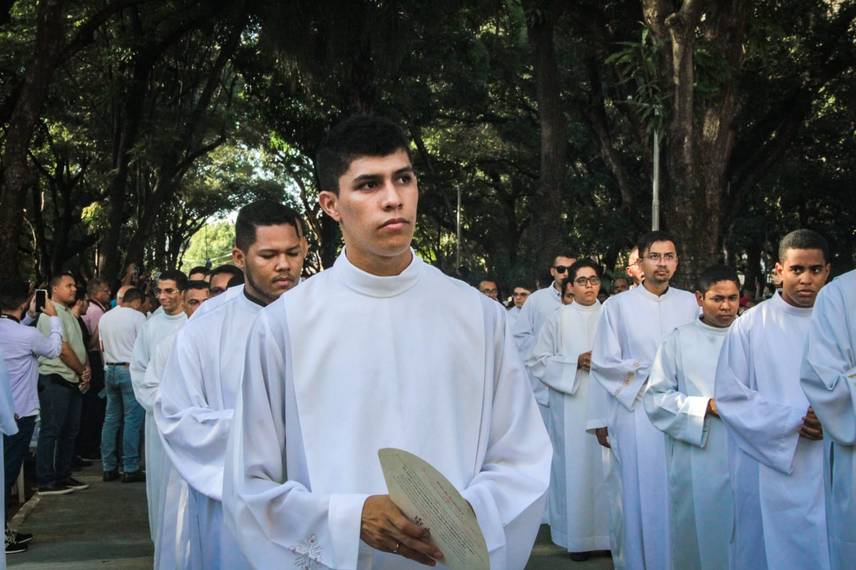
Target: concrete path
{"points": [[106, 526]]}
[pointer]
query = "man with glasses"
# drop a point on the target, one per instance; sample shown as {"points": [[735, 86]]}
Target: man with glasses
{"points": [[629, 331], [561, 359], [518, 298]]}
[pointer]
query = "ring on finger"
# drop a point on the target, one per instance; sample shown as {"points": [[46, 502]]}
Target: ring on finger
{"points": [[397, 546]]}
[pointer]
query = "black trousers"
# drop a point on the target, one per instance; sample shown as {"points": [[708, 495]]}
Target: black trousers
{"points": [[92, 413]]}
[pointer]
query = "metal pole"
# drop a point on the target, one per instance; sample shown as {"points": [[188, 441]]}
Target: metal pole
{"points": [[655, 183], [458, 229]]}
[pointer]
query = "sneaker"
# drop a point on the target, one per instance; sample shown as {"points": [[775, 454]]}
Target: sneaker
{"points": [[111, 475], [15, 547], [75, 484], [55, 489], [133, 476], [23, 537]]}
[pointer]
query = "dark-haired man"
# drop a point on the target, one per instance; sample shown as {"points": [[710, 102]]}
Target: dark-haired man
{"points": [[490, 288], [561, 359], [679, 401], [629, 331], [166, 494], [223, 276], [199, 273], [160, 325], [119, 329], [92, 411], [381, 350], [776, 447], [200, 384], [61, 381], [829, 381]]}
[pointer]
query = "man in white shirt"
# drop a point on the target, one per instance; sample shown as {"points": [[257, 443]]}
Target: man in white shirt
{"points": [[200, 386], [381, 350], [775, 447], [561, 359], [518, 296], [829, 382], [490, 288], [631, 328], [166, 493], [119, 329], [680, 402]]}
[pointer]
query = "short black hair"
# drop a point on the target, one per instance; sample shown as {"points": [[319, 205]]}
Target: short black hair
{"points": [[96, 283], [263, 213], [714, 274], [565, 282], [56, 279], [13, 294], [174, 275], [196, 284], [80, 294], [235, 280], [803, 239], [647, 240], [199, 269], [133, 294], [233, 270], [579, 264], [356, 136]]}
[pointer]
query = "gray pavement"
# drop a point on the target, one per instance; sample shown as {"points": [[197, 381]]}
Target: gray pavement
{"points": [[106, 526]]}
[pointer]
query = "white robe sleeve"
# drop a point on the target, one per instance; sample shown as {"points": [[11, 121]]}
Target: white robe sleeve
{"points": [[194, 434], [548, 364], [828, 371], [275, 517], [142, 354], [146, 386], [622, 378], [670, 410], [764, 429]]}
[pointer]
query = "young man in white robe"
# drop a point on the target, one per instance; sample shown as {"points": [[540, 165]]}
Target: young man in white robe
{"points": [[561, 359], [170, 291], [632, 325], [680, 402], [775, 447], [829, 382], [165, 492], [538, 308], [201, 383], [381, 350]]}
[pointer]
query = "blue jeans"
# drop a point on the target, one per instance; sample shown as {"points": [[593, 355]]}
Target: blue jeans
{"points": [[60, 412], [15, 449], [121, 404]]}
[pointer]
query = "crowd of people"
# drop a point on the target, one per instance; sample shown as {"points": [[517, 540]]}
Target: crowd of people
{"points": [[665, 427]]}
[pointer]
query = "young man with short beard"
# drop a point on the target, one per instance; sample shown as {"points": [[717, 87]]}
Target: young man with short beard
{"points": [[200, 383], [381, 350]]}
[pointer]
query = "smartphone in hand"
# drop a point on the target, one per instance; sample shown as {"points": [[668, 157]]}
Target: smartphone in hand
{"points": [[41, 297]]}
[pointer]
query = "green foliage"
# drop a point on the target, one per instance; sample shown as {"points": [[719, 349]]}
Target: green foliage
{"points": [[211, 245]]}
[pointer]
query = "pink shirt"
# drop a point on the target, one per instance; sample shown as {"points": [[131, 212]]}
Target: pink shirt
{"points": [[91, 318]]}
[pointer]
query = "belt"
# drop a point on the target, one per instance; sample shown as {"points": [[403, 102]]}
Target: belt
{"points": [[117, 364]]}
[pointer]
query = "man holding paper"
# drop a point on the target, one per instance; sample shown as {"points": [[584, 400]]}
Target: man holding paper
{"points": [[381, 350]]}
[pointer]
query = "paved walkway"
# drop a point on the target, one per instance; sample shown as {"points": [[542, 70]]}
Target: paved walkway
{"points": [[106, 526]]}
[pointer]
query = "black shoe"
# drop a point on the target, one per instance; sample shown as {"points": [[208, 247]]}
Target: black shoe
{"points": [[15, 547], [133, 476], [23, 537], [55, 489], [91, 457], [580, 556], [75, 484], [111, 475]]}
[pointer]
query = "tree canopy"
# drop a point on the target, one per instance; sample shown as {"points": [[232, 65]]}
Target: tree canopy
{"points": [[128, 124]]}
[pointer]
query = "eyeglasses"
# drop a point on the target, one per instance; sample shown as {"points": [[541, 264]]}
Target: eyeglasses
{"points": [[561, 268], [666, 257], [582, 281]]}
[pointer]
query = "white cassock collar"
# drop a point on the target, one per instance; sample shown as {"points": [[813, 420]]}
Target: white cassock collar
{"points": [[375, 285]]}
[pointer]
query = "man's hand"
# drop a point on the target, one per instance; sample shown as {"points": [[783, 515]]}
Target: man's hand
{"points": [[602, 435], [86, 376], [711, 408], [386, 528], [811, 428], [584, 361], [49, 308]]}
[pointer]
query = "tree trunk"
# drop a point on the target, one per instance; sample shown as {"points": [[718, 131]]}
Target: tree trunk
{"points": [[547, 234], [17, 177]]}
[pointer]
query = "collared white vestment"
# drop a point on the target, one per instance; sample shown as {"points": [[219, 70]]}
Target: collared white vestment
{"points": [[679, 389], [527, 324], [577, 500], [829, 381], [777, 476], [193, 411], [631, 328], [349, 363]]}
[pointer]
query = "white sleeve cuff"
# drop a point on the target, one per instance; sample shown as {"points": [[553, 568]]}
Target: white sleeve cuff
{"points": [[346, 515]]}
